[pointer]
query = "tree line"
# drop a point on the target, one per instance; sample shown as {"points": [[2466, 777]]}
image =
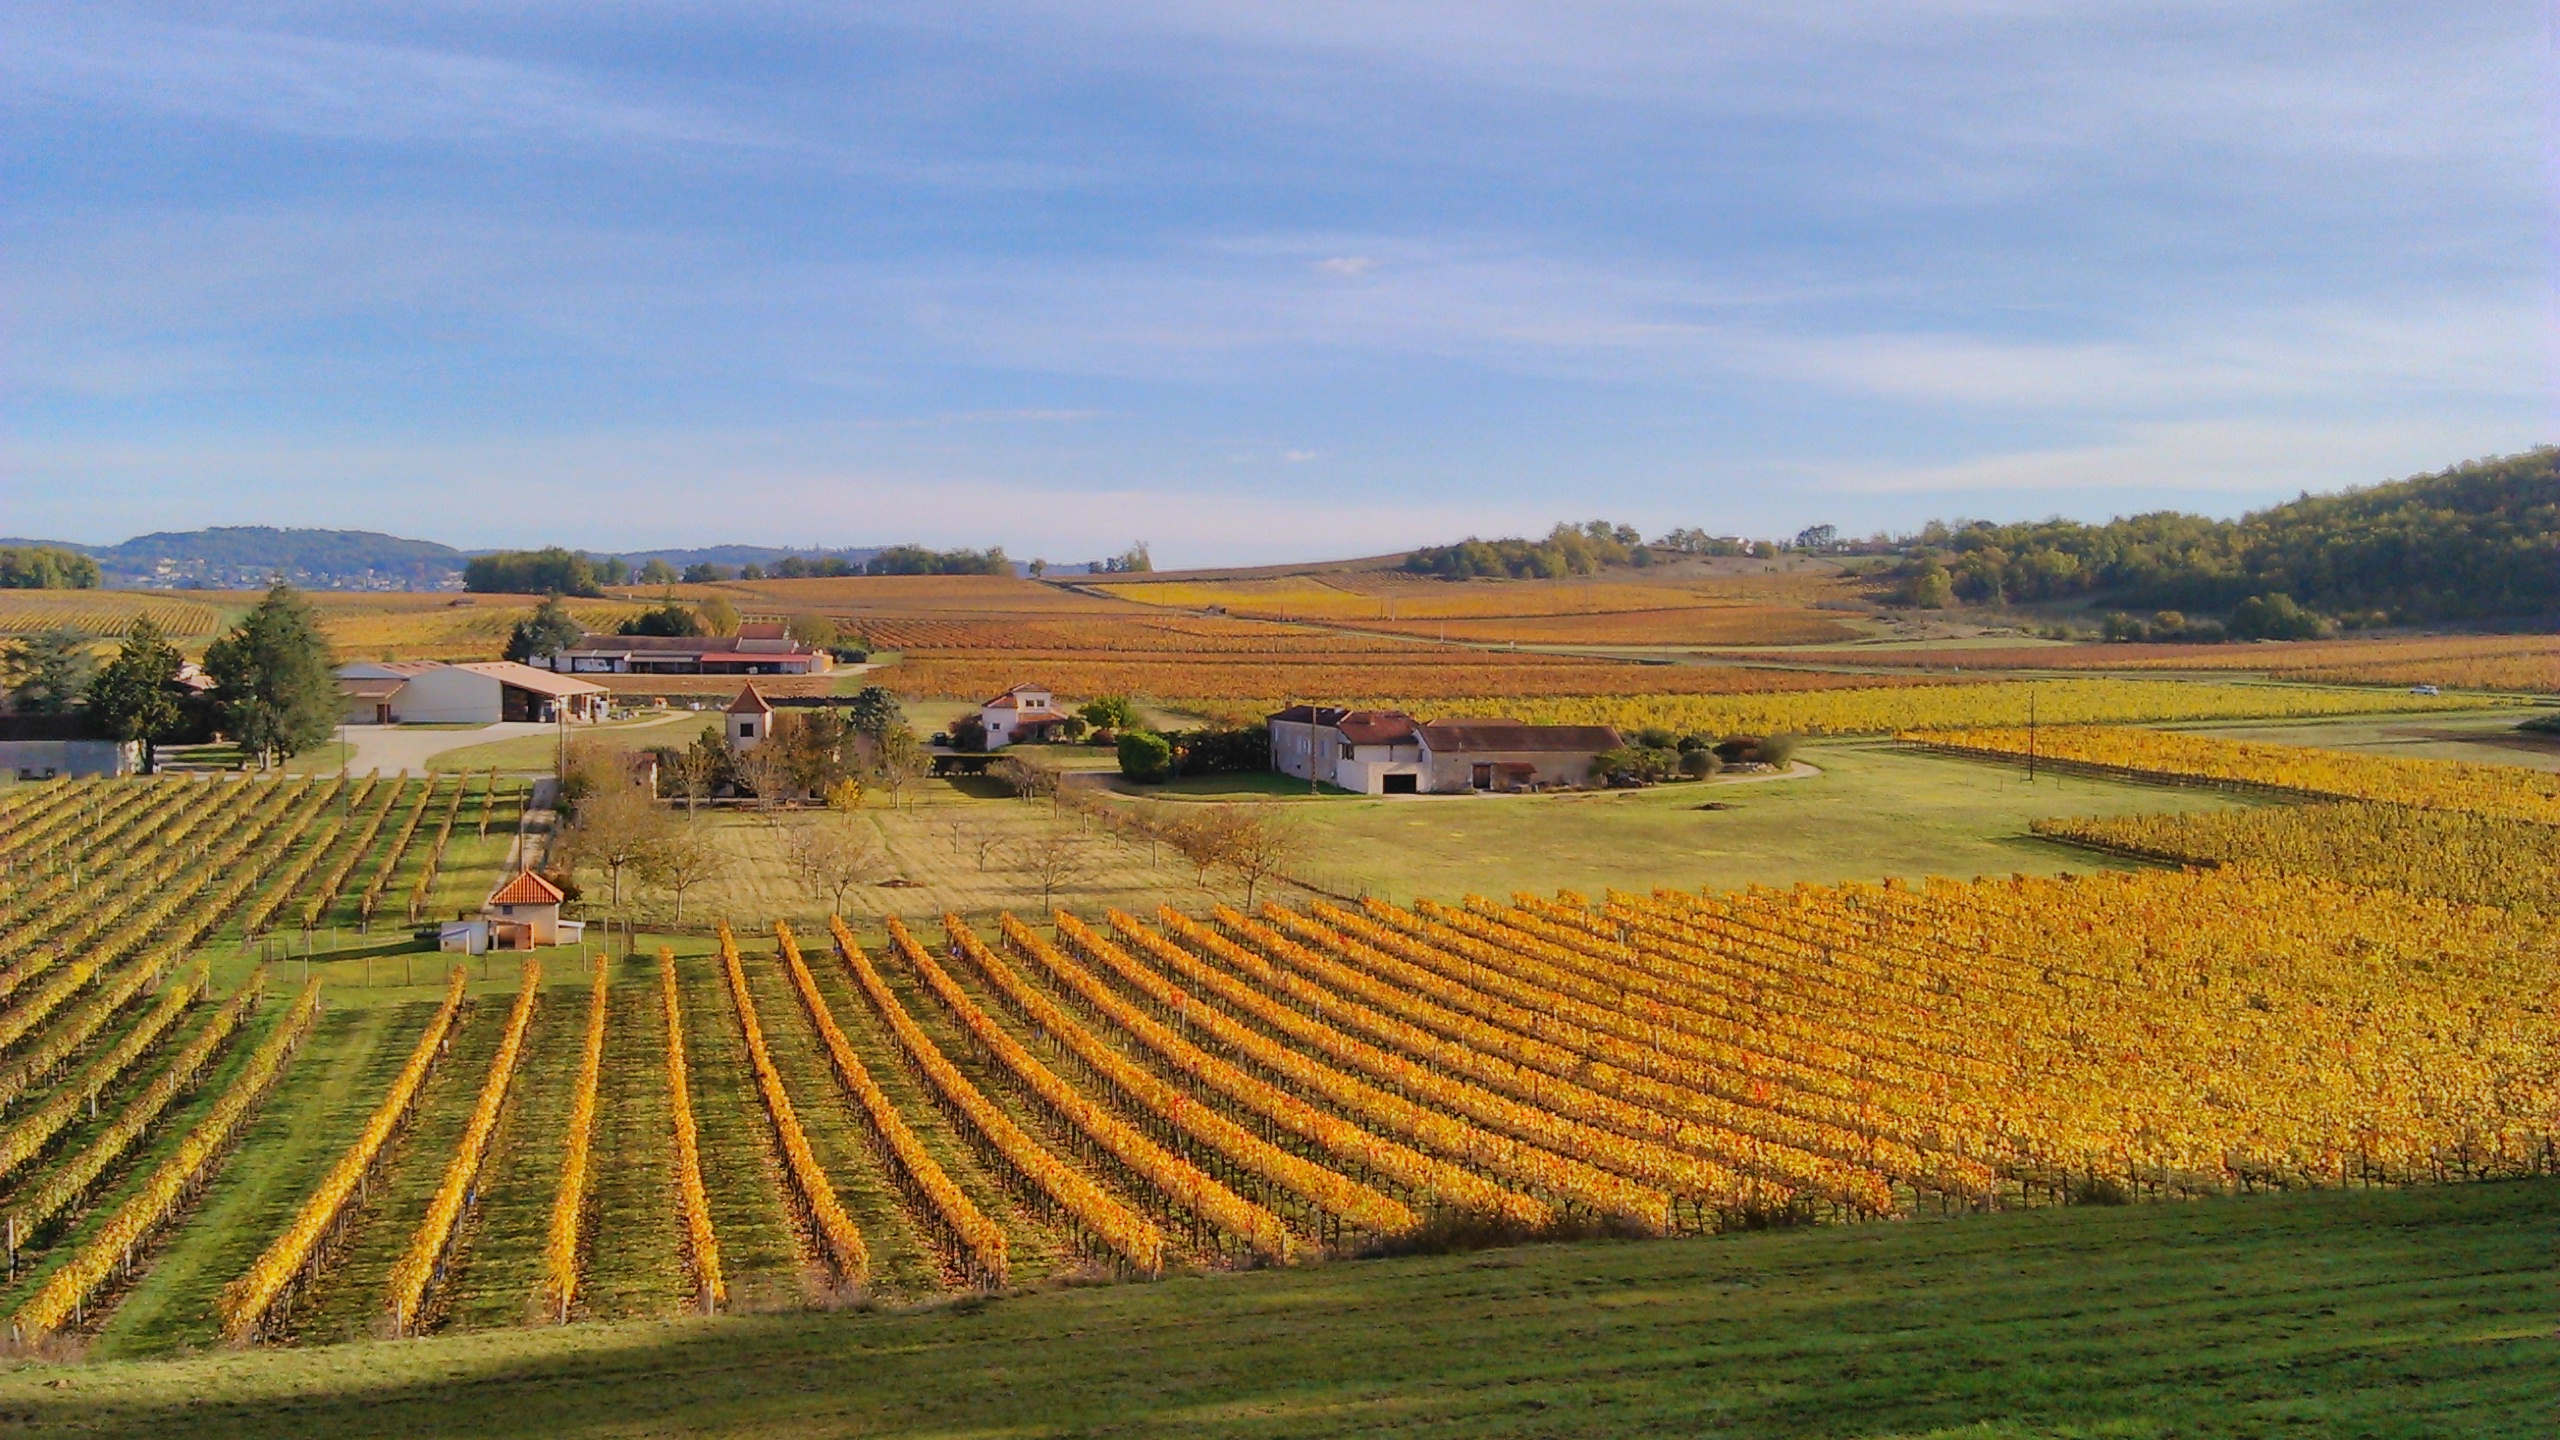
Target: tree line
{"points": [[2475, 542], [46, 567], [273, 690], [557, 570]]}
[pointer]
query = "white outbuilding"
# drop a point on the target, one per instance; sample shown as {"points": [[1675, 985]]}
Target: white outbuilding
{"points": [[486, 692]]}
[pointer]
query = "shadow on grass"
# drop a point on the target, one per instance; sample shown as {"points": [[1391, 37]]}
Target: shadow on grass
{"points": [[2372, 1313]]}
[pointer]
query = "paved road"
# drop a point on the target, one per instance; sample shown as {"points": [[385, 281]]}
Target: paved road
{"points": [[394, 748]]}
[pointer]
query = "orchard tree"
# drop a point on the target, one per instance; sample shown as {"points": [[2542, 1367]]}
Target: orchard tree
{"points": [[271, 677]]}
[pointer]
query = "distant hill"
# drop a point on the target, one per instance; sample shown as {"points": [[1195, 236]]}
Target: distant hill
{"points": [[233, 557]]}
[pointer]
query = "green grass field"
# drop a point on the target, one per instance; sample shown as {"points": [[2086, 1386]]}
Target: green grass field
{"points": [[1872, 812], [2411, 1313]]}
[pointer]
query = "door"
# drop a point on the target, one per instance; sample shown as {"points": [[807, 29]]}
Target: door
{"points": [[1402, 784], [1483, 777]]}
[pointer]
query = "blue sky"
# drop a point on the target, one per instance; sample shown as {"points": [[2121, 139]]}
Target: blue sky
{"points": [[1252, 281]]}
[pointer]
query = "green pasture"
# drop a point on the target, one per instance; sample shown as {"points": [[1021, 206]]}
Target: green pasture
{"points": [[2432, 1312]]}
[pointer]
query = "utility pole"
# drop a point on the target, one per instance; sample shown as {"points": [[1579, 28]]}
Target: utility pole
{"points": [[2031, 732]]}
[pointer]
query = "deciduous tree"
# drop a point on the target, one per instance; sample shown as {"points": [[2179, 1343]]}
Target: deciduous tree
{"points": [[680, 858], [833, 853]]}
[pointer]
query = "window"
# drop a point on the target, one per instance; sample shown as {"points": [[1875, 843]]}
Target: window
{"points": [[1346, 749], [746, 729]]}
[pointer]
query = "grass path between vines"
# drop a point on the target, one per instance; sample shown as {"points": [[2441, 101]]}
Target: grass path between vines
{"points": [[636, 1265], [336, 1080], [2377, 1313]]}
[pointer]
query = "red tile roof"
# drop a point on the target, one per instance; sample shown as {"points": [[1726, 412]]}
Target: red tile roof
{"points": [[750, 701], [1005, 700], [1458, 737], [527, 889], [1376, 727]]}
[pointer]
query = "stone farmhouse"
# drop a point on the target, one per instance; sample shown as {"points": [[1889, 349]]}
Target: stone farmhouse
{"points": [[1025, 712], [1387, 752]]}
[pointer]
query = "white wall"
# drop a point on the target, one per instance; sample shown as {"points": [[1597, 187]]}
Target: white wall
{"points": [[1368, 777], [449, 695], [36, 759]]}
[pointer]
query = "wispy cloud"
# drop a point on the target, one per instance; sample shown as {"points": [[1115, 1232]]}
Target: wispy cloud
{"points": [[314, 86], [1475, 265]]}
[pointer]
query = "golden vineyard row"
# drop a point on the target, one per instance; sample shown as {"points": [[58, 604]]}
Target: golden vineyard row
{"points": [[1234, 1088], [2449, 854], [2502, 790]]}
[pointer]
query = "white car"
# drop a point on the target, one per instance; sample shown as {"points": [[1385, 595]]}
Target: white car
{"points": [[2424, 690]]}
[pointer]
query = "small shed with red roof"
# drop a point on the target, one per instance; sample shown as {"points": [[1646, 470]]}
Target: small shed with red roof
{"points": [[525, 912]]}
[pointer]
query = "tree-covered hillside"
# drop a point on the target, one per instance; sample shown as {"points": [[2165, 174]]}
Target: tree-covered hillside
{"points": [[2479, 541]]}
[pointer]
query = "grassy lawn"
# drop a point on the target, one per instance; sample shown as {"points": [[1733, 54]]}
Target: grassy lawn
{"points": [[2376, 1313], [326, 758], [529, 754], [931, 852], [2482, 739], [1872, 812], [1266, 785]]}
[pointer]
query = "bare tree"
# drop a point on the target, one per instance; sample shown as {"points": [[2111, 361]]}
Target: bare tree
{"points": [[1027, 778], [1056, 861], [832, 854], [767, 771], [1146, 820], [685, 857], [986, 842], [898, 761], [1201, 835], [699, 769], [1260, 842], [618, 828]]}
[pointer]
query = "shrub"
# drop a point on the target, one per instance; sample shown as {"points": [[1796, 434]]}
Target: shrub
{"points": [[1778, 750], [2274, 617], [1656, 737], [1700, 763], [1145, 756]]}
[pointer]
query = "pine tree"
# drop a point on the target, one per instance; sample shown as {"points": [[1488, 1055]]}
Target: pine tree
{"points": [[131, 696], [46, 672], [271, 675], [549, 630]]}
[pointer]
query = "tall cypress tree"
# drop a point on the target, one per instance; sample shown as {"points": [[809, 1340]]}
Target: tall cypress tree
{"points": [[272, 678]]}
